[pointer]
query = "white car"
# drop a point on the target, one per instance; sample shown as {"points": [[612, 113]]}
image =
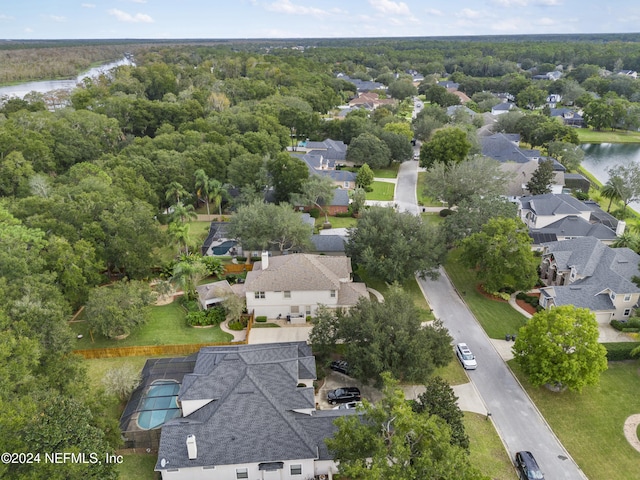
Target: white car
{"points": [[347, 406], [467, 359]]}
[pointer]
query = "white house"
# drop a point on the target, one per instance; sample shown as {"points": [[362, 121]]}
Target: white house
{"points": [[294, 285], [248, 412], [589, 274]]}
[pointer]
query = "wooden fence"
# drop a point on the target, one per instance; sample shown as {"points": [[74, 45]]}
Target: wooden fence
{"points": [[237, 268]]}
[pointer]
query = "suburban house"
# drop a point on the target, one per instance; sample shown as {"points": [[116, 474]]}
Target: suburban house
{"points": [[569, 117], [249, 412], [218, 241], [628, 73], [553, 76], [294, 285], [212, 294], [362, 85], [370, 101], [589, 274], [501, 108], [521, 162], [451, 111], [320, 163], [328, 244]]}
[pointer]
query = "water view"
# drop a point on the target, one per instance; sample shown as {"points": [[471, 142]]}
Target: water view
{"points": [[45, 86]]}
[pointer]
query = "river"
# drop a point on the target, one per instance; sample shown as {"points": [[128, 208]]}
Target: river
{"points": [[598, 158], [45, 86]]}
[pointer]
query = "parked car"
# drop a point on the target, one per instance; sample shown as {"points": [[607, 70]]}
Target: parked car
{"points": [[527, 467], [344, 395], [347, 406], [340, 366], [467, 359]]}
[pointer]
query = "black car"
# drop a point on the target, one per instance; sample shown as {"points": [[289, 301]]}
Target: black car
{"points": [[344, 395], [340, 366], [528, 467]]}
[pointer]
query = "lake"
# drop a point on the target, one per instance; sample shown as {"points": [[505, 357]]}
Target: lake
{"points": [[45, 86], [598, 158]]}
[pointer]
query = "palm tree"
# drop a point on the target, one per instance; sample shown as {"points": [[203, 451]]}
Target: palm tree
{"points": [[629, 240], [188, 275], [177, 191], [179, 232], [611, 191], [202, 186], [183, 212], [216, 194]]}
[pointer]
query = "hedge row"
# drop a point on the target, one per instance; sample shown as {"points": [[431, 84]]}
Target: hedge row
{"points": [[619, 351]]}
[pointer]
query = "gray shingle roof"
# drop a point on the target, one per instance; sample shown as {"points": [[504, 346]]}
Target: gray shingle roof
{"points": [[504, 148], [554, 204], [251, 418], [297, 272], [328, 243], [575, 226]]}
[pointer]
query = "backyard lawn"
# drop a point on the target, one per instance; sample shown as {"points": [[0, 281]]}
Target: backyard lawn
{"points": [[595, 415], [337, 222], [587, 135], [486, 450], [138, 466], [497, 318], [381, 191], [389, 172], [167, 326], [424, 200]]}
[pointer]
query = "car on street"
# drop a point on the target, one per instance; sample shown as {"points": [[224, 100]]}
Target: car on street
{"points": [[527, 467], [466, 357], [340, 366], [344, 395]]}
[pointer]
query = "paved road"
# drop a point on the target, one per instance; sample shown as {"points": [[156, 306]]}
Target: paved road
{"points": [[405, 195], [516, 418]]}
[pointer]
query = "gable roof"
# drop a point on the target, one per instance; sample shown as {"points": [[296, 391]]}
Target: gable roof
{"points": [[554, 204], [575, 226], [254, 394], [299, 271], [328, 243], [213, 292], [331, 149], [504, 148]]}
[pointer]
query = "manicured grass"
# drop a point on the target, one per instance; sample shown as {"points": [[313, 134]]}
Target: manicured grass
{"points": [[166, 326], [138, 466], [452, 373], [486, 450], [496, 317], [265, 325], [595, 416], [424, 200], [382, 191], [96, 368], [587, 135], [337, 222], [432, 218], [390, 172]]}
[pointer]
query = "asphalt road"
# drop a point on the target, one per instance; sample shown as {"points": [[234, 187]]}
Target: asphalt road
{"points": [[405, 196]]}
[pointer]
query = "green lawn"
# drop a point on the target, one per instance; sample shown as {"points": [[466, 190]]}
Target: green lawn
{"points": [[595, 417], [496, 317], [138, 466], [337, 222], [424, 200], [587, 135], [165, 327], [487, 452], [389, 172], [432, 218], [382, 191]]}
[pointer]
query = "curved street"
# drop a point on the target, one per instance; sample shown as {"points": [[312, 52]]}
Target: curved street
{"points": [[516, 418]]}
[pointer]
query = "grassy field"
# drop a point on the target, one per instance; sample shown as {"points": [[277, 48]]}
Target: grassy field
{"points": [[389, 172], [424, 200], [496, 317], [337, 222], [138, 466], [382, 191], [587, 135], [595, 415], [166, 326], [486, 449]]}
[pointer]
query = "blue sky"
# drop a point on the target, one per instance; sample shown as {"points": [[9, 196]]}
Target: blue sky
{"points": [[59, 19]]}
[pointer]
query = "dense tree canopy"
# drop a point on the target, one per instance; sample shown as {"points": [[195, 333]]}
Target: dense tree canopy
{"points": [[560, 347], [367, 148], [447, 146], [394, 246]]}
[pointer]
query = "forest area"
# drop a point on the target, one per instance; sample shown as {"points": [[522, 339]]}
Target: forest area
{"points": [[86, 187]]}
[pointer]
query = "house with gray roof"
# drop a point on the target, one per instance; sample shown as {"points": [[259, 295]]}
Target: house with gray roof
{"points": [[212, 294], [249, 411], [501, 108], [569, 116], [294, 285], [569, 227], [589, 274]]}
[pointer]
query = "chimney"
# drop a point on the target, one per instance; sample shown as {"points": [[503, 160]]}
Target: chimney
{"points": [[192, 449], [265, 260], [620, 228]]}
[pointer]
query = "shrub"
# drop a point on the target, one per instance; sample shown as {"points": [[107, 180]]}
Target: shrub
{"points": [[241, 259], [256, 259], [522, 296], [620, 350], [236, 326], [617, 324], [580, 195], [232, 278], [343, 214], [308, 318], [261, 318], [314, 212], [121, 381], [212, 316], [445, 212]]}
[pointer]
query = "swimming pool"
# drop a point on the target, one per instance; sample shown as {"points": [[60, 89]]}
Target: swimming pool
{"points": [[159, 404], [224, 247]]}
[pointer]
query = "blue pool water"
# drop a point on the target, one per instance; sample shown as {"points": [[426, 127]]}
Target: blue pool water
{"points": [[159, 405]]}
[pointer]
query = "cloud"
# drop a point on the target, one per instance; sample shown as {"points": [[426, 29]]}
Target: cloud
{"points": [[510, 3], [88, 5], [6, 17], [548, 3], [28, 30], [285, 6], [434, 12], [470, 14], [127, 17], [388, 7], [57, 18], [138, 1]]}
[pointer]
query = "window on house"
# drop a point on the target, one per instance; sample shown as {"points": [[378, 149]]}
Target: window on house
{"points": [[259, 294], [242, 473], [627, 312], [346, 184], [612, 295], [296, 469], [627, 297], [307, 309], [332, 294], [287, 294]]}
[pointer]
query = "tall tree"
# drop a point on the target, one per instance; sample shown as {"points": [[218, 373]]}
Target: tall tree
{"points": [[391, 441], [364, 177], [287, 176], [316, 190], [501, 255], [447, 146], [627, 182], [560, 347], [367, 148], [395, 246], [541, 178], [568, 154]]}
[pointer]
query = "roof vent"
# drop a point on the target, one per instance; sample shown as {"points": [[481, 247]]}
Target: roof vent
{"points": [[192, 448]]}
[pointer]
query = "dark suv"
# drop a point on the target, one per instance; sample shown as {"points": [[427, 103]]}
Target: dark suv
{"points": [[528, 467], [344, 395], [340, 366]]}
